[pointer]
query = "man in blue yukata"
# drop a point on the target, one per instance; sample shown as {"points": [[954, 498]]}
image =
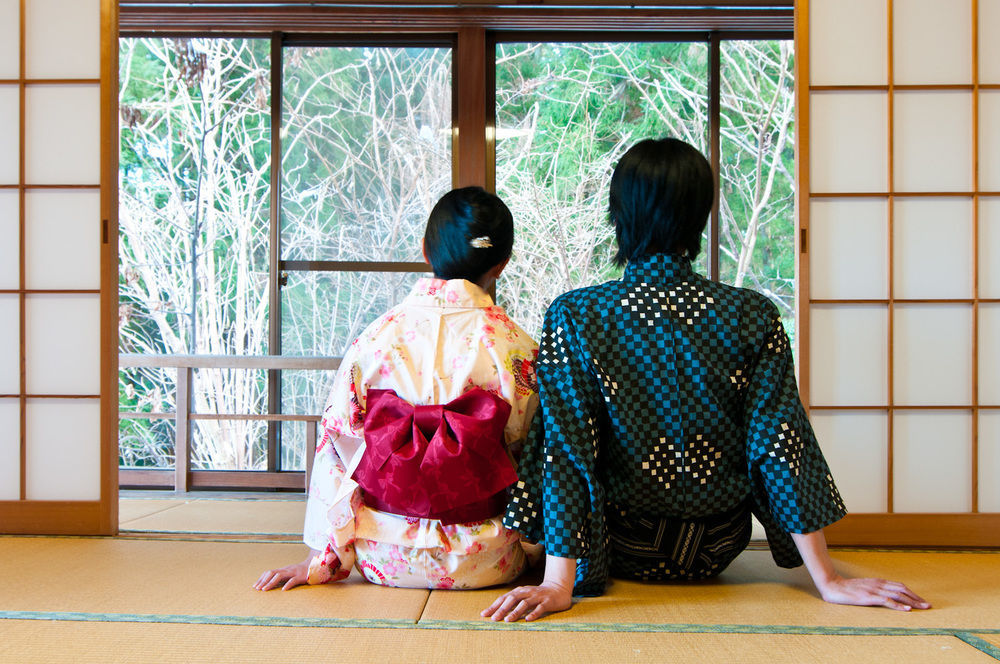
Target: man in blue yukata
{"points": [[669, 415]]}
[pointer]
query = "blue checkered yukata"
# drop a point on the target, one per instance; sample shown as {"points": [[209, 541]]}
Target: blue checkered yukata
{"points": [[669, 412]]}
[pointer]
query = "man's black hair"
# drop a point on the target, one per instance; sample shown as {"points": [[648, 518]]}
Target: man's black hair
{"points": [[661, 195]]}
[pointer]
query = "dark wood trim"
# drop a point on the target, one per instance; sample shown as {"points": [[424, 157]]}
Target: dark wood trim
{"points": [[52, 517], [894, 194], [975, 256], [139, 478], [890, 269], [469, 107], [918, 530], [62, 81], [22, 232], [354, 266], [237, 417], [64, 186], [318, 363], [50, 291], [398, 18], [274, 251], [722, 4], [133, 478], [803, 197], [714, 149]]}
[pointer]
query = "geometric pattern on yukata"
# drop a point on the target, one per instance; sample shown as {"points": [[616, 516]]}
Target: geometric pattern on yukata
{"points": [[672, 396]]}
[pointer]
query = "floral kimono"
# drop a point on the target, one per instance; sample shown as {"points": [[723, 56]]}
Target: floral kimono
{"points": [[446, 346]]}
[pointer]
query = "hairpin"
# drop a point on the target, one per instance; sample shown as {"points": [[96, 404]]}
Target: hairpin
{"points": [[482, 242]]}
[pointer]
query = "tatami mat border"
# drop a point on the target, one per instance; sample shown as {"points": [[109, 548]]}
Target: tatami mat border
{"points": [[487, 625], [219, 533], [295, 538], [153, 536], [261, 538], [979, 644]]}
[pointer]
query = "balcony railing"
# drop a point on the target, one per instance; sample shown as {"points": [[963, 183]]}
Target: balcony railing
{"points": [[182, 477]]}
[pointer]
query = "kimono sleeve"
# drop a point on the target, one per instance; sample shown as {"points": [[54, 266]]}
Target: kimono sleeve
{"points": [[342, 422], [793, 487], [558, 499]]}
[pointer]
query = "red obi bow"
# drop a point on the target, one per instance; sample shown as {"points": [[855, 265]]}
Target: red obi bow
{"points": [[445, 462]]}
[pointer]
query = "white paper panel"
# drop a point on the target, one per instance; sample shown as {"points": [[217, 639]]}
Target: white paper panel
{"points": [[63, 344], [63, 39], [989, 137], [63, 449], [933, 141], [989, 355], [989, 247], [855, 444], [63, 243], [932, 355], [63, 134], [10, 344], [848, 142], [932, 41], [849, 355], [10, 38], [10, 119], [10, 449], [847, 42], [933, 232], [10, 256], [989, 44], [848, 254], [989, 461], [932, 461]]}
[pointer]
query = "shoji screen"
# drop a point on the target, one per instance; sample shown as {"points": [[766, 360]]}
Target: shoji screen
{"points": [[58, 148], [900, 219]]}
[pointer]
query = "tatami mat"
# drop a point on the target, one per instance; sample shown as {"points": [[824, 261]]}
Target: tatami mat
{"points": [[127, 576], [31, 641], [961, 586], [211, 515], [136, 599]]}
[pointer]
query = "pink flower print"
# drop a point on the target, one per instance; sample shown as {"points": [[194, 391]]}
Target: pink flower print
{"points": [[475, 547], [410, 336], [445, 583], [489, 329], [385, 369], [393, 568], [488, 342], [452, 297], [503, 564]]}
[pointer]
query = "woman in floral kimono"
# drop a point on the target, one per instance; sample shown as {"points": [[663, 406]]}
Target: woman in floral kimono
{"points": [[428, 410]]}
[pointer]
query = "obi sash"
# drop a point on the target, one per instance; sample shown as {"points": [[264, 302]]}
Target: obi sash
{"points": [[445, 462]]}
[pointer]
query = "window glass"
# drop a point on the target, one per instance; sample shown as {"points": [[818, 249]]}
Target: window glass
{"points": [[757, 171], [565, 113]]}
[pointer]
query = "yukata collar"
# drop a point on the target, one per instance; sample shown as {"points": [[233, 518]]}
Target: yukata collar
{"points": [[659, 268], [450, 293]]}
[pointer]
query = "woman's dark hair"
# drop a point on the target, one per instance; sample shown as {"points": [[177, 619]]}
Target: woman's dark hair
{"points": [[468, 232], [661, 194]]}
